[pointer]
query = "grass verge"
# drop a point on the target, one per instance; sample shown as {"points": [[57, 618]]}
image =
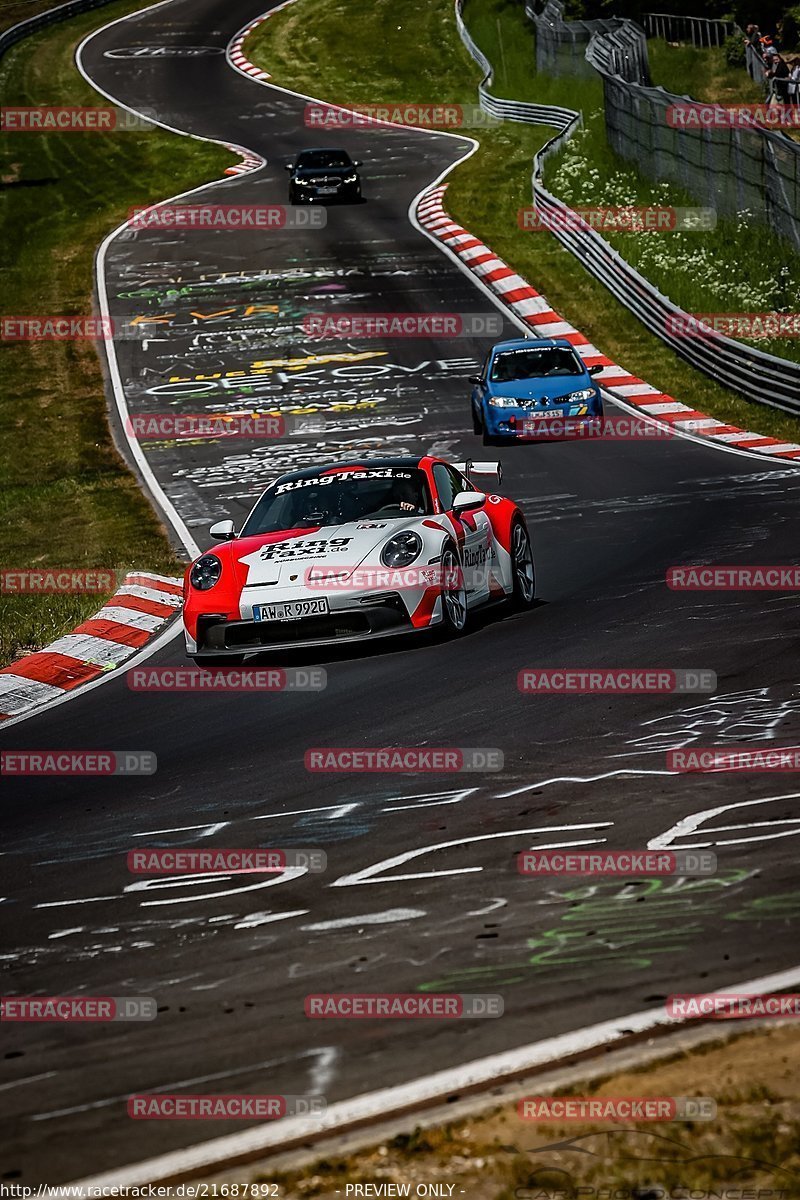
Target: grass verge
{"points": [[67, 499], [750, 1151], [371, 54]]}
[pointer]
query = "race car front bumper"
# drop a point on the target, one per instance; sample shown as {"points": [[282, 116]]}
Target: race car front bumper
{"points": [[372, 617]]}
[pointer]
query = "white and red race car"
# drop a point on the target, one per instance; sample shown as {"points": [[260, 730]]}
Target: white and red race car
{"points": [[357, 550]]}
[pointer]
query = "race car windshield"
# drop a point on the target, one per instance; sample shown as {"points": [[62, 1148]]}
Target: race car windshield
{"points": [[324, 158], [512, 365], [362, 495]]}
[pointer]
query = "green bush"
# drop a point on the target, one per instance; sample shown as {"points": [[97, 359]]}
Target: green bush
{"points": [[734, 50]]}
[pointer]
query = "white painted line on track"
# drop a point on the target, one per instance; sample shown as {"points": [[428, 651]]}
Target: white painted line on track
{"points": [[373, 1107]]}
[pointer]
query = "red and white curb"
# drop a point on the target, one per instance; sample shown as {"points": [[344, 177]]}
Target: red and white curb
{"points": [[250, 161], [535, 311], [236, 54], [128, 621]]}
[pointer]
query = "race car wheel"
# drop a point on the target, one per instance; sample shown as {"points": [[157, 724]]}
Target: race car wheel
{"points": [[524, 579], [454, 594], [218, 660]]}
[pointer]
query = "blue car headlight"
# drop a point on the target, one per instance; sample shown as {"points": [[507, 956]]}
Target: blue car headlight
{"points": [[205, 572], [579, 397], [402, 549], [504, 401]]}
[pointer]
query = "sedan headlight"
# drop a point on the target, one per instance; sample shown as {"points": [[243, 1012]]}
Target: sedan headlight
{"points": [[205, 572], [504, 401], [401, 550], [579, 397], [350, 178]]}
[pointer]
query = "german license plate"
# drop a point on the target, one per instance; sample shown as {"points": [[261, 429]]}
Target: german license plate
{"points": [[328, 191], [290, 610]]}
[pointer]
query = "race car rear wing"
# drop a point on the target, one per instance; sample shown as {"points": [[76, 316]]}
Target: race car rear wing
{"points": [[470, 468]]}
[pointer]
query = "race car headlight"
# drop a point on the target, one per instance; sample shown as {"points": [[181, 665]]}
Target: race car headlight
{"points": [[504, 401], [401, 550], [579, 397], [205, 572]]}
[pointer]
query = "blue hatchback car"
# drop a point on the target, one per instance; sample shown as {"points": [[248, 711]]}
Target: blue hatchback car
{"points": [[526, 383]]}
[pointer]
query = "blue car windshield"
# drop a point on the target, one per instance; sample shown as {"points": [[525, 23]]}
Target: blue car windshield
{"points": [[510, 365]]}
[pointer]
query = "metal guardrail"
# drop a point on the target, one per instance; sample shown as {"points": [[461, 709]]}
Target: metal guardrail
{"points": [[757, 375], [509, 110], [62, 12], [700, 31]]}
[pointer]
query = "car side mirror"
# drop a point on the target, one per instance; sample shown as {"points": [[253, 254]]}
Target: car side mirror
{"points": [[596, 369], [358, 163], [476, 379], [289, 167], [223, 531], [465, 501]]}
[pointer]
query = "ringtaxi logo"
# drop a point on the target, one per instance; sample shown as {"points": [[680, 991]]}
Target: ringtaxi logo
{"points": [[224, 862], [248, 679], [617, 862], [411, 759], [396, 1005], [734, 578], [626, 681], [242, 217], [77, 1009], [724, 1006], [734, 758], [77, 762], [56, 329], [617, 1108], [53, 580], [237, 1107]]}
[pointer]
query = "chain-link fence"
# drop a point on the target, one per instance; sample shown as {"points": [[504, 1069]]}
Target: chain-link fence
{"points": [[732, 169]]}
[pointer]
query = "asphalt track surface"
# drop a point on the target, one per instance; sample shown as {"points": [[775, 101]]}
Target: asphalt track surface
{"points": [[230, 961]]}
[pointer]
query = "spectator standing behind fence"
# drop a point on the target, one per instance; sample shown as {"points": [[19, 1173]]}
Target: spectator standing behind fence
{"points": [[794, 82], [753, 37], [779, 78]]}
